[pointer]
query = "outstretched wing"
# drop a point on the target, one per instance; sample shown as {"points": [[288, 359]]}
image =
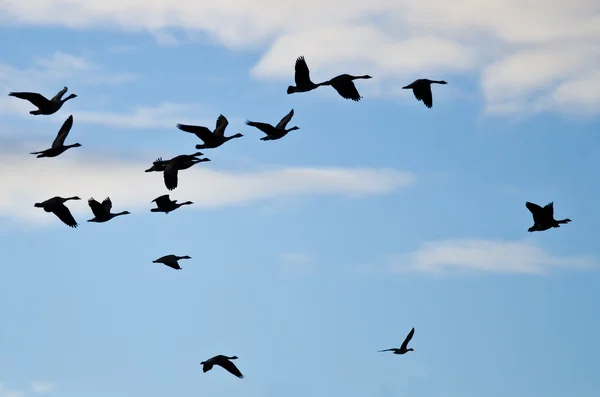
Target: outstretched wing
{"points": [[162, 201], [36, 99], [63, 213], [97, 209], [302, 75], [536, 211], [200, 131], [229, 366], [170, 176], [286, 119], [59, 95], [548, 210], [107, 204], [408, 338], [264, 127], [346, 89], [63, 132], [423, 93], [222, 123]]}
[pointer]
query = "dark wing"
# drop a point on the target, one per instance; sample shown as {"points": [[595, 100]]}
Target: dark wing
{"points": [[200, 131], [536, 211], [170, 176], [286, 119], [162, 201], [548, 210], [63, 213], [36, 99], [302, 75], [97, 208], [229, 366], [264, 127], [107, 204], [408, 338], [63, 132], [346, 89], [59, 95], [222, 123], [423, 93]]}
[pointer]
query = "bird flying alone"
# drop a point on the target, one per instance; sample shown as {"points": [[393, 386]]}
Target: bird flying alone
{"points": [[44, 105], [102, 211], [403, 349], [543, 218], [171, 260], [224, 362], [211, 139], [57, 206], [58, 146], [277, 132], [422, 90], [166, 205]]}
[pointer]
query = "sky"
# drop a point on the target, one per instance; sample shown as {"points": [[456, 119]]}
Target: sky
{"points": [[313, 252]]}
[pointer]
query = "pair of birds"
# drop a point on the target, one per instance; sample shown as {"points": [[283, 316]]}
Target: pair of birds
{"points": [[170, 168], [101, 211], [543, 217], [215, 138], [344, 84]]}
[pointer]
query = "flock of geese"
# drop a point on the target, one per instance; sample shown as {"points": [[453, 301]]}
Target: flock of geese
{"points": [[543, 217]]}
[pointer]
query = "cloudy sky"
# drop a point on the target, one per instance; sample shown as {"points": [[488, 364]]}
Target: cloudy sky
{"points": [[309, 253]]}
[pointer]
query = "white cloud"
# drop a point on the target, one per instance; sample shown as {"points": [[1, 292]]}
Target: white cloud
{"points": [[295, 264], [496, 256], [533, 55], [11, 393], [132, 189], [41, 387]]}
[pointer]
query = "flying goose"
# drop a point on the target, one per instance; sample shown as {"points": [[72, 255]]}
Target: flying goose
{"points": [[422, 90], [222, 361], [344, 85], [166, 205], [403, 348], [171, 260], [181, 162], [277, 132], [302, 78], [57, 206], [44, 105], [58, 145], [543, 218], [211, 139], [102, 211]]}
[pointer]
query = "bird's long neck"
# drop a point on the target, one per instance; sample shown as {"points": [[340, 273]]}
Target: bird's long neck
{"points": [[365, 76], [120, 213], [186, 203], [561, 221], [72, 198], [291, 129], [67, 98]]}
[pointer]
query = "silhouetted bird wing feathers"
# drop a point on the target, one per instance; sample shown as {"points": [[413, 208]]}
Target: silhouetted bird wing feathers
{"points": [[200, 131], [229, 366], [97, 209], [548, 210], [286, 119], [536, 211], [220, 126], [408, 338], [107, 204], [346, 89], [302, 75], [264, 127], [59, 95], [423, 93], [63, 132], [36, 99], [63, 213], [170, 176], [162, 201]]}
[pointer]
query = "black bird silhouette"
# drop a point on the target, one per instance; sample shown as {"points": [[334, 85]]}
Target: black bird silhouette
{"points": [[57, 206], [277, 132], [45, 106], [166, 205], [177, 163], [302, 78], [222, 361], [543, 218], [422, 90], [211, 139], [102, 211], [171, 260], [344, 85], [58, 146], [403, 348]]}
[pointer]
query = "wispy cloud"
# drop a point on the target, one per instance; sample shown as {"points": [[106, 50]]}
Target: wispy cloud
{"points": [[495, 256], [41, 387], [530, 55], [132, 189], [294, 264]]}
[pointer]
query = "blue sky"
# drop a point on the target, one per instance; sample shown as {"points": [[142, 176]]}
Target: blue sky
{"points": [[312, 252]]}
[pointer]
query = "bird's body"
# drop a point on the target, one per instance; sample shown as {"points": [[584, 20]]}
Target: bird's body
{"points": [[277, 132], [58, 146], [102, 211], [302, 78], [543, 218], [57, 206], [344, 85], [181, 162], [211, 139], [45, 106], [403, 349], [171, 260], [422, 90], [166, 205], [222, 361]]}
